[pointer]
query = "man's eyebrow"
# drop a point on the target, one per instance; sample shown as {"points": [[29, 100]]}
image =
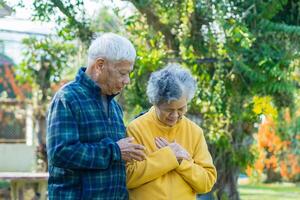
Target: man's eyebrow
{"points": [[182, 107], [126, 70]]}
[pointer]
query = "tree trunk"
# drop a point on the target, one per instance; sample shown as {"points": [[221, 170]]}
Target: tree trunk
{"points": [[40, 119], [272, 176], [227, 185]]}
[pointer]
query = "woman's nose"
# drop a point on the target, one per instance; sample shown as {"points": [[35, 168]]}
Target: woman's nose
{"points": [[175, 114]]}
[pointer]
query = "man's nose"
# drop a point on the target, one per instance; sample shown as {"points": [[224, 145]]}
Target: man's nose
{"points": [[126, 81]]}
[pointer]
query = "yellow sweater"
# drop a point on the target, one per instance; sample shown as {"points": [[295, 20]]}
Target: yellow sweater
{"points": [[159, 176]]}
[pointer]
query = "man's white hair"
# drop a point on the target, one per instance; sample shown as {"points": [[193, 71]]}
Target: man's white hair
{"points": [[112, 47]]}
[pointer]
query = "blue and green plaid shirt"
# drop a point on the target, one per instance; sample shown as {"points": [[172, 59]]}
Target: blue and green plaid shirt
{"points": [[84, 159]]}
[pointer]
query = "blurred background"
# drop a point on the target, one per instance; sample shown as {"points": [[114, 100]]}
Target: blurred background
{"points": [[245, 55]]}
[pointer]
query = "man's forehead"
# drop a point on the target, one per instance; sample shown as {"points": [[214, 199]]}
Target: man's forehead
{"points": [[126, 65]]}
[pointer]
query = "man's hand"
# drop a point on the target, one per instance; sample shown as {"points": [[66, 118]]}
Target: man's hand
{"points": [[131, 151], [177, 149]]}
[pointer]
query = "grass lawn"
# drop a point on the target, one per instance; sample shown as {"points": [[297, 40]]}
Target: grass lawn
{"points": [[275, 191]]}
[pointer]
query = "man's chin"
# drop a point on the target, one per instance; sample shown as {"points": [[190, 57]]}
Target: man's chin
{"points": [[116, 92]]}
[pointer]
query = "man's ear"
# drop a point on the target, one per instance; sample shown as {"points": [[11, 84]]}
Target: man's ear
{"points": [[99, 64]]}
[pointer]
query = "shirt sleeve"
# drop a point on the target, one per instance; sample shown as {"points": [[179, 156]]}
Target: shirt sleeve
{"points": [[64, 148], [199, 173], [154, 166]]}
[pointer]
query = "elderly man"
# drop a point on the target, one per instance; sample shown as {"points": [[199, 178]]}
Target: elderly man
{"points": [[178, 164], [86, 143]]}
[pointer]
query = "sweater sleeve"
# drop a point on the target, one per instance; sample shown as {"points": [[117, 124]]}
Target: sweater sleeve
{"points": [[154, 166], [199, 173]]}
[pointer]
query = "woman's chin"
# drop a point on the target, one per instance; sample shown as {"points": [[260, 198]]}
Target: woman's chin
{"points": [[170, 123]]}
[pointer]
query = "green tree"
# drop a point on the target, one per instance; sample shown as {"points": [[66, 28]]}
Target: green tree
{"points": [[69, 15], [236, 50], [43, 64]]}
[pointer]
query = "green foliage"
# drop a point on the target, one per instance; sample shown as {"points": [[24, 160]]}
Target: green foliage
{"points": [[4, 184], [288, 129], [105, 21], [233, 60], [44, 61], [289, 14], [69, 15], [279, 27], [149, 59], [2, 3], [235, 49], [268, 9]]}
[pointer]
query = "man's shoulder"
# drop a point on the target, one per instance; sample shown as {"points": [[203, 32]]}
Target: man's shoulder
{"points": [[69, 91], [116, 104]]}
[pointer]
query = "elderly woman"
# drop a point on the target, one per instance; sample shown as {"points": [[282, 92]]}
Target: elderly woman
{"points": [[178, 164]]}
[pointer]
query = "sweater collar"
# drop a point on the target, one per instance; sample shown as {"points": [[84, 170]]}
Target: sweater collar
{"points": [[161, 125]]}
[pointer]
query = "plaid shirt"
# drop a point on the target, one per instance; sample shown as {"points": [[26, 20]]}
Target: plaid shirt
{"points": [[84, 159]]}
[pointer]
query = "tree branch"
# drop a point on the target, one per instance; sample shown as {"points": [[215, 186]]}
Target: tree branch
{"points": [[153, 20], [198, 19], [83, 31]]}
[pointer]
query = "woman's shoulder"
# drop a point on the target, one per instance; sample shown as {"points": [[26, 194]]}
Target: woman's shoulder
{"points": [[141, 119], [193, 126]]}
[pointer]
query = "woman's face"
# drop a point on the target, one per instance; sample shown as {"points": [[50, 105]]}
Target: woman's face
{"points": [[171, 113]]}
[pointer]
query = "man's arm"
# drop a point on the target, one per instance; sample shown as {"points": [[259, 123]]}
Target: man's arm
{"points": [[64, 147]]}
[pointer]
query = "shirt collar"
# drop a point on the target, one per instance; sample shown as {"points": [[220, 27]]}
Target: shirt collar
{"points": [[91, 85]]}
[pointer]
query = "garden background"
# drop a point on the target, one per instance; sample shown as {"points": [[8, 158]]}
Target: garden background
{"points": [[245, 55]]}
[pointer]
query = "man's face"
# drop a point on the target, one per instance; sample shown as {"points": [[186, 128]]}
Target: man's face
{"points": [[114, 76], [171, 113]]}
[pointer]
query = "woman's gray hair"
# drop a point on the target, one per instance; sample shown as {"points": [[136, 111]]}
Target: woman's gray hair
{"points": [[170, 83], [112, 47]]}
